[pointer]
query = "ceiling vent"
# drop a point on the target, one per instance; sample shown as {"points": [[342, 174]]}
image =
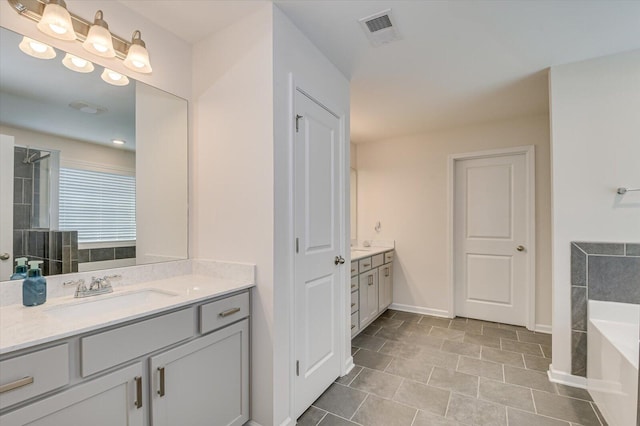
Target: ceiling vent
{"points": [[380, 28]]}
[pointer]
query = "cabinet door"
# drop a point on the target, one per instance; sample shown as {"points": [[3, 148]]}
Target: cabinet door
{"points": [[385, 289], [368, 296], [110, 400], [203, 382]]}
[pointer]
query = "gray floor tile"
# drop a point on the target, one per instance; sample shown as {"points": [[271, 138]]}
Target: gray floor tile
{"points": [[376, 382], [434, 321], [438, 358], [423, 397], [345, 380], [599, 414], [539, 338], [425, 340], [528, 378], [387, 323], [506, 394], [477, 367], [427, 419], [371, 330], [475, 412], [537, 363], [569, 409], [414, 327], [547, 351], [446, 333], [454, 381], [368, 342], [370, 359], [461, 348], [407, 317], [400, 349], [511, 327], [389, 313], [502, 357], [572, 392], [354, 350], [466, 326], [415, 370], [393, 334], [522, 418], [331, 420], [340, 400], [523, 348], [499, 332], [311, 417], [383, 412], [478, 339]]}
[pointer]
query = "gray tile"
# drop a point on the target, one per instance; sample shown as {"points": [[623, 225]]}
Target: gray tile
{"points": [[378, 383], [601, 248], [371, 330], [407, 316], [528, 378], [354, 350], [572, 392], [436, 322], [370, 359], [426, 419], [348, 378], [400, 349], [21, 216], [389, 313], [393, 334], [474, 411], [579, 353], [522, 347], [414, 327], [426, 340], [469, 327], [481, 368], [415, 370], [492, 342], [547, 351], [126, 252], [569, 409], [506, 394], [466, 349], [502, 357], [512, 327], [499, 332], [387, 322], [601, 417], [522, 418], [632, 249], [382, 412], [454, 381], [17, 191], [578, 266], [340, 400], [311, 417], [83, 256], [614, 279], [331, 420], [446, 333], [424, 397], [531, 337], [438, 358], [537, 363], [368, 342], [101, 254]]}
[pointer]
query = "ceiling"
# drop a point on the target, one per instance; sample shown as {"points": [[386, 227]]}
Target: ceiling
{"points": [[458, 63]]}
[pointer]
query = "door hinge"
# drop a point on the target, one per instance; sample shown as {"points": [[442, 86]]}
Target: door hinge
{"points": [[298, 117], [297, 368], [297, 245]]}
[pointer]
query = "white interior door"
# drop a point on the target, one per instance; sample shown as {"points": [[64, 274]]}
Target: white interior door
{"points": [[6, 206], [318, 229], [491, 238]]}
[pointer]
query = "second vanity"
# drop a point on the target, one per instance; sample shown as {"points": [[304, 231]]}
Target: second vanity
{"points": [[173, 351]]}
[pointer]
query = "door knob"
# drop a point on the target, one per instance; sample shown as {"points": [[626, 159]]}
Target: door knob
{"points": [[339, 260], [520, 248], [5, 256]]}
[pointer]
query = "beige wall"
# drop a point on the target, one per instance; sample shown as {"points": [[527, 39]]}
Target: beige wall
{"points": [[403, 184]]}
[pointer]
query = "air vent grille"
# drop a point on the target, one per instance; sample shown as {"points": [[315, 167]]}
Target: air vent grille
{"points": [[380, 28], [378, 24]]}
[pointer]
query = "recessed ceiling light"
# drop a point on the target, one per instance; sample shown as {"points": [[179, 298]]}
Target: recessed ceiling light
{"points": [[118, 141]]}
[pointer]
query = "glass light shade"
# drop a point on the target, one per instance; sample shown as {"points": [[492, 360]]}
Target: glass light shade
{"points": [[77, 64], [99, 42], [36, 49], [138, 59], [56, 21], [114, 78]]}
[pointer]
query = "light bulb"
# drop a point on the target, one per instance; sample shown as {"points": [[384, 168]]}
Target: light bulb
{"points": [[99, 41], [115, 78], [137, 57], [77, 64], [100, 47], [36, 49]]}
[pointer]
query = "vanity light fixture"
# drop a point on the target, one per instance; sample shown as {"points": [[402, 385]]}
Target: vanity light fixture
{"points": [[98, 39], [56, 21], [118, 141], [114, 78], [137, 57], [36, 49], [77, 64]]}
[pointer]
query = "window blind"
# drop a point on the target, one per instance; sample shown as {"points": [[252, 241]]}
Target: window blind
{"points": [[100, 206]]}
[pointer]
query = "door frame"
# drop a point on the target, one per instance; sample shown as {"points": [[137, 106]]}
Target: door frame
{"points": [[529, 153]]}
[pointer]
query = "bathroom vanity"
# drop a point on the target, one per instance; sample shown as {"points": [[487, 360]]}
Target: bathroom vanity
{"points": [[165, 352]]}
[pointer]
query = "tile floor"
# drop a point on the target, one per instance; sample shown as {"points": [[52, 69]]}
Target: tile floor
{"points": [[417, 370]]}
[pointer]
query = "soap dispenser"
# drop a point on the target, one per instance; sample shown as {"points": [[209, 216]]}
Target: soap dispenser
{"points": [[34, 287], [21, 269]]}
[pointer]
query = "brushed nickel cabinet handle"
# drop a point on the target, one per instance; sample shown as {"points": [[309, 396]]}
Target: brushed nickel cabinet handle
{"points": [[353, 326], [17, 384], [161, 390], [353, 304], [229, 312], [386, 272], [370, 280], [138, 401], [366, 265], [353, 286]]}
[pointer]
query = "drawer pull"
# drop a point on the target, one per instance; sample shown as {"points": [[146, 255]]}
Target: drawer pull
{"points": [[229, 312], [386, 272], [138, 401], [353, 286], [366, 265], [370, 280], [353, 304], [353, 326], [17, 384], [161, 390]]}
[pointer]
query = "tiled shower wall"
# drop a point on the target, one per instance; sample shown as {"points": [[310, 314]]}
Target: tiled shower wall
{"points": [[599, 271]]}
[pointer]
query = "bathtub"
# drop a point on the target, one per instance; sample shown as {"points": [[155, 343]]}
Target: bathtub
{"points": [[613, 347]]}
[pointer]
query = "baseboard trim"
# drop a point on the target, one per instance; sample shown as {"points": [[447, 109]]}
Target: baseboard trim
{"points": [[542, 328], [287, 422], [349, 365], [252, 423], [566, 378], [420, 310]]}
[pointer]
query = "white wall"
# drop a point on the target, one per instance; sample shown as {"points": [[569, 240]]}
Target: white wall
{"points": [[403, 184], [595, 132]]}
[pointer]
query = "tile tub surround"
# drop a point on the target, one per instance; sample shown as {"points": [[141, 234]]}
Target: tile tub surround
{"points": [[419, 370], [599, 271]]}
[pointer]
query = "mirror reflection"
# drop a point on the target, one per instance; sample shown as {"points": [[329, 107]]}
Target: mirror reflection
{"points": [[92, 175]]}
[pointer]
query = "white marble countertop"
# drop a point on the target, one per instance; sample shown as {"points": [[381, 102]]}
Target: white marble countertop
{"points": [[358, 253], [22, 327]]}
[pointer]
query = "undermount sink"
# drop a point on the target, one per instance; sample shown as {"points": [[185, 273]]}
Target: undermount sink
{"points": [[98, 305]]}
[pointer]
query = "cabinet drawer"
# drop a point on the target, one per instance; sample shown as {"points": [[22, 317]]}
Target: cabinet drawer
{"points": [[354, 302], [354, 283], [388, 256], [108, 349], [364, 264], [354, 323], [354, 268], [33, 374], [377, 260], [222, 312]]}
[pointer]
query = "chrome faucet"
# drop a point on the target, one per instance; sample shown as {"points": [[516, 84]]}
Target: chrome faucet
{"points": [[98, 286]]}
